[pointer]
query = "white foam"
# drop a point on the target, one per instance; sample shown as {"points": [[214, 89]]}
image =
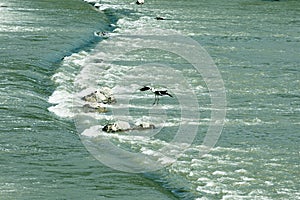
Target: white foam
{"points": [[242, 171], [63, 101], [203, 179], [221, 173], [202, 198], [92, 132], [235, 197], [166, 160], [240, 183], [245, 178], [92, 1], [62, 111], [269, 183]]}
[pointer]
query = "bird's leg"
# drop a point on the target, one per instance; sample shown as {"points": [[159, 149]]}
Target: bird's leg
{"points": [[155, 97], [157, 100]]}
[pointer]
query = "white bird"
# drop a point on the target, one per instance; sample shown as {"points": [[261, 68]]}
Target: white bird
{"points": [[140, 2], [157, 93]]}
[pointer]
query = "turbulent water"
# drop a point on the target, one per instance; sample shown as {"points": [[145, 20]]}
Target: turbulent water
{"points": [[51, 55]]}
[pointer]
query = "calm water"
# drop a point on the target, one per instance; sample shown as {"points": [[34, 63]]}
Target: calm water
{"points": [[49, 54]]}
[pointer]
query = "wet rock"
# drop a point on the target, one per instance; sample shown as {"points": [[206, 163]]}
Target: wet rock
{"points": [[116, 127], [159, 18], [103, 95], [120, 126], [94, 107], [145, 125]]}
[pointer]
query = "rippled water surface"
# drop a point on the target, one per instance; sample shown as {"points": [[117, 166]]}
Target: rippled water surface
{"points": [[49, 55]]}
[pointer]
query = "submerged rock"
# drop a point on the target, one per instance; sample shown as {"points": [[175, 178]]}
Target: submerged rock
{"points": [[145, 125], [120, 126], [94, 107], [102, 34]]}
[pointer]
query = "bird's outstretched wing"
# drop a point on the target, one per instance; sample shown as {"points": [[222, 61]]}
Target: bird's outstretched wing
{"points": [[145, 88], [166, 93]]}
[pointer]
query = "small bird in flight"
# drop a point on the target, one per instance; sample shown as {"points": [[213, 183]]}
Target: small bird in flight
{"points": [[157, 93]]}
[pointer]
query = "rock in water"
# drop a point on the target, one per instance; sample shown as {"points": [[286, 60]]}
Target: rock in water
{"points": [[125, 126], [145, 125], [103, 95], [116, 127], [94, 107]]}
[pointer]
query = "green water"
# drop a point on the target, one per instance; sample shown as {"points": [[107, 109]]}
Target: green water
{"points": [[255, 45], [41, 156]]}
